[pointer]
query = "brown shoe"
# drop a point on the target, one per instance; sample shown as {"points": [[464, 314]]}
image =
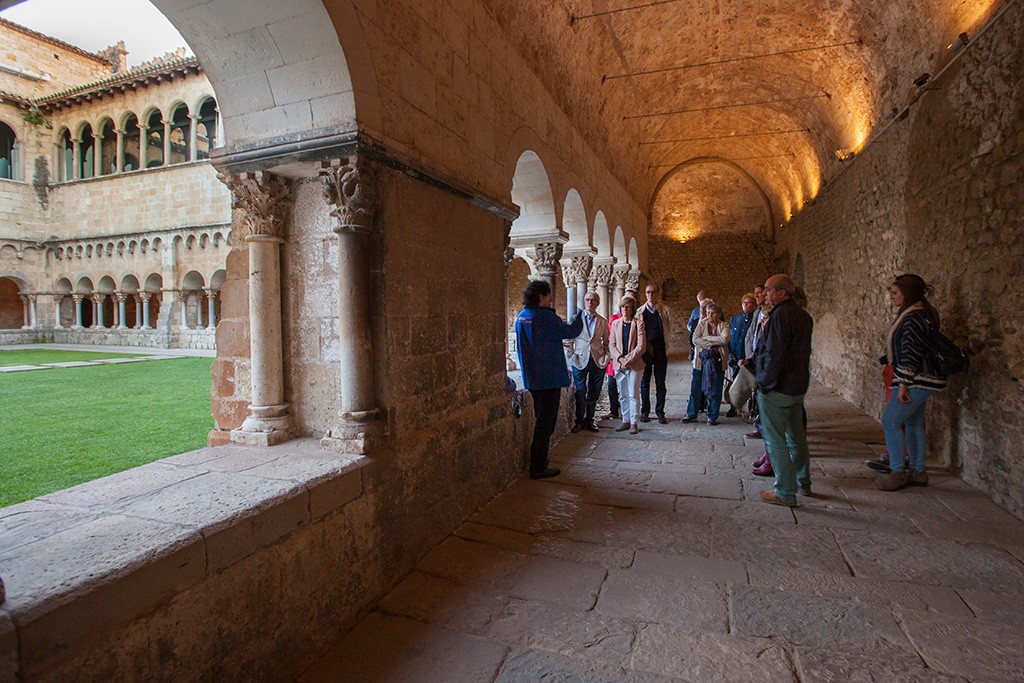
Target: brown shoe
{"points": [[622, 427], [662, 420], [918, 478], [770, 498], [894, 481], [633, 429]]}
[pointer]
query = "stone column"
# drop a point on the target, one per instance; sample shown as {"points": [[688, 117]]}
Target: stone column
{"points": [[25, 315], [138, 311], [545, 260], [261, 203], [193, 133], [582, 266], [167, 143], [77, 298], [57, 300], [76, 159], [183, 294], [145, 309], [121, 310], [569, 277], [620, 274], [97, 310], [350, 190], [119, 162], [633, 282], [604, 277], [211, 300], [97, 154], [143, 144]]}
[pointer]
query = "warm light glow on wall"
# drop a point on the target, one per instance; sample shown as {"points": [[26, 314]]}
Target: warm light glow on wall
{"points": [[970, 16]]}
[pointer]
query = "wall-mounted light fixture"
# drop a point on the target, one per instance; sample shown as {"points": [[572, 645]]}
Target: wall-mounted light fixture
{"points": [[922, 80], [845, 154], [959, 44]]}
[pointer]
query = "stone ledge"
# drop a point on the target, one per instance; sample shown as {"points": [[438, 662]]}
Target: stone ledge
{"points": [[80, 562]]}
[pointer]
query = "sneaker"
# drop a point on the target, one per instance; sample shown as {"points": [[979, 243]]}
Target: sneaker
{"points": [[546, 474], [880, 464], [770, 498], [918, 478], [894, 481], [764, 470]]}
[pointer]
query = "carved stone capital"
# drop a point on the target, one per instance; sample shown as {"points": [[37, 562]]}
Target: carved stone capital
{"points": [[581, 266], [510, 256], [546, 257], [603, 273], [145, 295], [58, 298], [569, 275], [621, 277], [260, 203], [633, 283], [350, 190]]}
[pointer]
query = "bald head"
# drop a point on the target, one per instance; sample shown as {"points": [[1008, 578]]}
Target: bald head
{"points": [[778, 288]]}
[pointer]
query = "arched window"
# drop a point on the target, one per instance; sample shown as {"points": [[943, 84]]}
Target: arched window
{"points": [[206, 129], [155, 140], [67, 151], [108, 149], [131, 143], [9, 164], [86, 152], [181, 130]]}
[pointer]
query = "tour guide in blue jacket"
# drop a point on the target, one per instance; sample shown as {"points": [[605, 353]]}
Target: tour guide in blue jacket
{"points": [[539, 335]]}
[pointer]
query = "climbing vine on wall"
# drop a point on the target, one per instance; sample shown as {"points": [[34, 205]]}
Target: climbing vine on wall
{"points": [[41, 181]]}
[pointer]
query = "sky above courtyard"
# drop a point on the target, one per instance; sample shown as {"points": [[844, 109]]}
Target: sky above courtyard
{"points": [[98, 24]]}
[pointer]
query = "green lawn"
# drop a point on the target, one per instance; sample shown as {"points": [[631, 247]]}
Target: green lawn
{"points": [[41, 356], [64, 426]]}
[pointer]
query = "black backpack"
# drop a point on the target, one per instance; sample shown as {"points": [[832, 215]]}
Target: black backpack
{"points": [[946, 357]]}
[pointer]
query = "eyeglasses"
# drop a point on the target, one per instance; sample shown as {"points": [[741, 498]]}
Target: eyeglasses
{"points": [[651, 291]]}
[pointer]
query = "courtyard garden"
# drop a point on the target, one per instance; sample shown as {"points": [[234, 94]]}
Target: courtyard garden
{"points": [[63, 426]]}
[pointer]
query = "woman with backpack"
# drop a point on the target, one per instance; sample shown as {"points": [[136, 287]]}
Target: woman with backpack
{"points": [[915, 378]]}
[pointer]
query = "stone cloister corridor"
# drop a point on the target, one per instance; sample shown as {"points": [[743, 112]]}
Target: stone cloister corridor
{"points": [[652, 559], [397, 171]]}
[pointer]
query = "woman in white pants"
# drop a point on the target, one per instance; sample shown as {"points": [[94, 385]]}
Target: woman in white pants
{"points": [[626, 346]]}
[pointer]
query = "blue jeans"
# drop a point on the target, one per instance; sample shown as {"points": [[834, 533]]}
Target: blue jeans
{"points": [[785, 437], [588, 383], [909, 417], [714, 400]]}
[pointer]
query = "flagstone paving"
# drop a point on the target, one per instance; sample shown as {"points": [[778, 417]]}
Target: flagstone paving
{"points": [[652, 559]]}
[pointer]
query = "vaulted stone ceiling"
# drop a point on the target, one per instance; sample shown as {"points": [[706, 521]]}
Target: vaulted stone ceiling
{"points": [[655, 83]]}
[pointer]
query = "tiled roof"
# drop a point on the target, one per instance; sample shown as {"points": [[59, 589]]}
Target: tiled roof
{"points": [[137, 76]]}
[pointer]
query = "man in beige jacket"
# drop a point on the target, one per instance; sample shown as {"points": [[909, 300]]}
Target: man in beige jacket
{"points": [[588, 356]]}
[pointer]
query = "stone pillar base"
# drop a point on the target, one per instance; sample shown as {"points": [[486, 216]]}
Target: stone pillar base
{"points": [[358, 438], [265, 426]]}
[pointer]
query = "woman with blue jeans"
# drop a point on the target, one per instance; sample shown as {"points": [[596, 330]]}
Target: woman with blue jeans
{"points": [[711, 357], [914, 381]]}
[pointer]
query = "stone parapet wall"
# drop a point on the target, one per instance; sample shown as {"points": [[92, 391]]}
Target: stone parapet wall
{"points": [[938, 194]]}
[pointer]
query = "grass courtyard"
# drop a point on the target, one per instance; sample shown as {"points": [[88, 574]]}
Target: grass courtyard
{"points": [[63, 426]]}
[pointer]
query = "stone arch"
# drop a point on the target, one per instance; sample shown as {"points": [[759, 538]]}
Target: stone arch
{"points": [[130, 125], [619, 245], [531, 192], [153, 141], [633, 255], [250, 90], [107, 143], [574, 220], [86, 151], [600, 238], [12, 309], [193, 280], [768, 228], [207, 118]]}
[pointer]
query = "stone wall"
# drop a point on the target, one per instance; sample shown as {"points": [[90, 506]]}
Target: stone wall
{"points": [[939, 194], [725, 266], [65, 65]]}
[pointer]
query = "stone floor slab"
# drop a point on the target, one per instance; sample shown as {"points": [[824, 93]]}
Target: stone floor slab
{"points": [[873, 664], [651, 597], [976, 649], [444, 603], [395, 650], [690, 567], [700, 485], [563, 582]]}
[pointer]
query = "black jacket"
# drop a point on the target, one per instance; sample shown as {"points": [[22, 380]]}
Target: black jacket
{"points": [[783, 353]]}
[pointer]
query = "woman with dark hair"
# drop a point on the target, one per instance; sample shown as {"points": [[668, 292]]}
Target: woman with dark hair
{"points": [[711, 341], [914, 380], [626, 345], [539, 335]]}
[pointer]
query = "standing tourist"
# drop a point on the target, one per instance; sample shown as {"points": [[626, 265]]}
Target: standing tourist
{"points": [[588, 354], [695, 315], [782, 361], [627, 342], [657, 321], [613, 387], [914, 381], [738, 326], [539, 335], [711, 341]]}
